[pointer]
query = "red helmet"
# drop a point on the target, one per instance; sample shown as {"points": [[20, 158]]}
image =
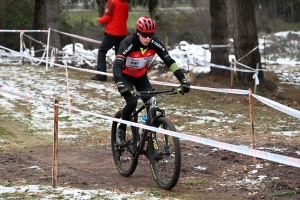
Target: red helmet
{"points": [[146, 25]]}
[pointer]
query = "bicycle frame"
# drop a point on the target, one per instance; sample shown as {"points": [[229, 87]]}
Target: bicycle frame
{"points": [[163, 151], [153, 113]]}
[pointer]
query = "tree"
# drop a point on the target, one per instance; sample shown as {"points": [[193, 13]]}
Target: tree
{"points": [[13, 16], [39, 17], [245, 37], [151, 4], [101, 6], [53, 22], [219, 35]]}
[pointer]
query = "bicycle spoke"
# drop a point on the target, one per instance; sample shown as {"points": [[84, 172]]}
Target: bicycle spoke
{"points": [[124, 157], [165, 158]]}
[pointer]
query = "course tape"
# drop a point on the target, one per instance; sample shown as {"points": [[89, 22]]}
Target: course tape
{"points": [[278, 106], [232, 91], [205, 63], [20, 31], [76, 36], [226, 146], [269, 102]]}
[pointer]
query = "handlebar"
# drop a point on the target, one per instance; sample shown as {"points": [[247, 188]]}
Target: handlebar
{"points": [[139, 94]]}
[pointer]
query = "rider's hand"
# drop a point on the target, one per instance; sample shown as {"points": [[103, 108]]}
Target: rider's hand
{"points": [[124, 91], [184, 87]]}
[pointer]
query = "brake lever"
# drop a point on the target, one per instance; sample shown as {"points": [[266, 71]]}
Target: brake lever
{"points": [[136, 94], [175, 91]]}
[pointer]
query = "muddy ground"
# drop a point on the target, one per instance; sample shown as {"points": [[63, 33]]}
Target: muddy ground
{"points": [[207, 173]]}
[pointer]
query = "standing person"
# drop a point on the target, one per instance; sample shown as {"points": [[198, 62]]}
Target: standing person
{"points": [[131, 64], [115, 21]]}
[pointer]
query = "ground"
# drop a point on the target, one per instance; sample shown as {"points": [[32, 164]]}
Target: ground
{"points": [[88, 164]]}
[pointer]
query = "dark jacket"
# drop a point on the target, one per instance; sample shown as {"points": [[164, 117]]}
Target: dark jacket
{"points": [[134, 58]]}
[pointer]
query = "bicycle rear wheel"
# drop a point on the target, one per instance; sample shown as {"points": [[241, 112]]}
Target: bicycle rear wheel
{"points": [[124, 158], [165, 155]]}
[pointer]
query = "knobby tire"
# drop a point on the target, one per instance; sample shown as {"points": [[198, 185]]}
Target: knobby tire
{"points": [[125, 161], [166, 162]]}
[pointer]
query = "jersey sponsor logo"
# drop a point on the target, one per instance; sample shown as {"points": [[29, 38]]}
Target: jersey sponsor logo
{"points": [[128, 49], [158, 45], [138, 63]]}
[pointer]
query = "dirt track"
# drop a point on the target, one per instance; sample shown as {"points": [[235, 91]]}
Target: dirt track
{"points": [[207, 173]]}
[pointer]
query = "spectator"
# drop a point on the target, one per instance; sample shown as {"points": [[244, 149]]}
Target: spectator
{"points": [[115, 21]]}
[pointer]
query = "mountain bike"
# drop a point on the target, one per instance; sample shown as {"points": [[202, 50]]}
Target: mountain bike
{"points": [[163, 151]]}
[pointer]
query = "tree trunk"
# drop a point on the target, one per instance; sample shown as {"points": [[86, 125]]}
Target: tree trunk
{"points": [[219, 36], [39, 23], [245, 38], [101, 6], [85, 4], [53, 22]]}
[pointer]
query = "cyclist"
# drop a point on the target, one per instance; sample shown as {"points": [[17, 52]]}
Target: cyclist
{"points": [[131, 64]]}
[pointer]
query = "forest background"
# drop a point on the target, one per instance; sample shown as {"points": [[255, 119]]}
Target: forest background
{"points": [[193, 21]]}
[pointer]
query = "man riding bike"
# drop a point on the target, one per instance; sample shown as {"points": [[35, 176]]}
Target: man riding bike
{"points": [[131, 65]]}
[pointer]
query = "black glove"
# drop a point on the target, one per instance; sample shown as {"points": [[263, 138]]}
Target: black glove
{"points": [[124, 91], [184, 87]]}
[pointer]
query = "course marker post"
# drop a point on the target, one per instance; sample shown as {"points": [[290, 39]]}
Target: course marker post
{"points": [[232, 73], [255, 86], [48, 41], [55, 144], [252, 124], [68, 90]]}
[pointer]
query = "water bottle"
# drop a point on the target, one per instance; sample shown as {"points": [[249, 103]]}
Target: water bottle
{"points": [[143, 121]]}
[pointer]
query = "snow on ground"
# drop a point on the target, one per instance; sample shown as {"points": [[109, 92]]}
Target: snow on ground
{"points": [[32, 83]]}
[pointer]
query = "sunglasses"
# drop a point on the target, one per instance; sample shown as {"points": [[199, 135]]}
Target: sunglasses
{"points": [[145, 35]]}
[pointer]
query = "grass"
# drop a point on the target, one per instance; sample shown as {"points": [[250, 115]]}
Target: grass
{"points": [[91, 18], [292, 26], [283, 194]]}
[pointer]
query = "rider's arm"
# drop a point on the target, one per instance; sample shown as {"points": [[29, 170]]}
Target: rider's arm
{"points": [[118, 68], [120, 61], [169, 62]]}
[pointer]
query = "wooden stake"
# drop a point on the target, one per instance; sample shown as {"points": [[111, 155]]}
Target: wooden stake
{"points": [[252, 124], [55, 144]]}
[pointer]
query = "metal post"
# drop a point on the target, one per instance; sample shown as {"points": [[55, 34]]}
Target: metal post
{"points": [[48, 42], [232, 73]]}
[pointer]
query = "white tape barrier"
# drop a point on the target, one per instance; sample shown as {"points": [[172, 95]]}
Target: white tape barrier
{"points": [[269, 102], [230, 147], [205, 63], [194, 60], [278, 106], [78, 37], [23, 31], [232, 91]]}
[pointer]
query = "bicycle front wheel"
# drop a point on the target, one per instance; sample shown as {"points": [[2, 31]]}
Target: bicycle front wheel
{"points": [[165, 155], [124, 157]]}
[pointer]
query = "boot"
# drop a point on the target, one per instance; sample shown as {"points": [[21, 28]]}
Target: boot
{"points": [[121, 138]]}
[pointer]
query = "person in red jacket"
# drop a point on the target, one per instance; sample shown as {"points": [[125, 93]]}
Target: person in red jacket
{"points": [[131, 65], [115, 21]]}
